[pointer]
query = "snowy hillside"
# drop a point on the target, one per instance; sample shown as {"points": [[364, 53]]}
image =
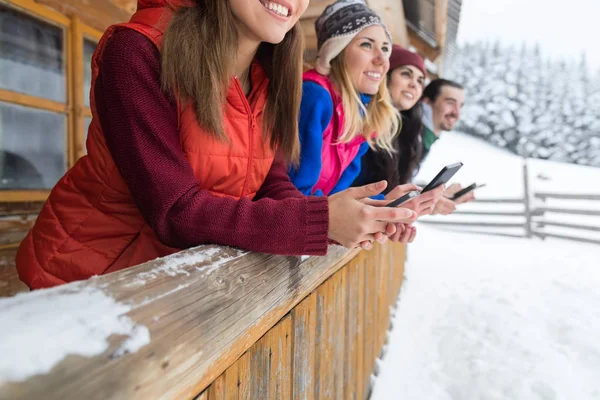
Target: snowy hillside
{"points": [[534, 107]]}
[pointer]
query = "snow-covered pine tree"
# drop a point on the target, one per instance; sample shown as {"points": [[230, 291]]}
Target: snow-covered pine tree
{"points": [[539, 108]]}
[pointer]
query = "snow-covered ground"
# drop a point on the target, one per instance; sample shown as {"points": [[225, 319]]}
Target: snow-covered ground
{"points": [[486, 317]]}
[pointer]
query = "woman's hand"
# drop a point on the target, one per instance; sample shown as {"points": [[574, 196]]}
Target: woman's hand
{"points": [[354, 219], [423, 204], [404, 233], [455, 188]]}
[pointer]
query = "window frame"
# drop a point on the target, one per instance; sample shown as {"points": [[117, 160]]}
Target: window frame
{"points": [[74, 110]]}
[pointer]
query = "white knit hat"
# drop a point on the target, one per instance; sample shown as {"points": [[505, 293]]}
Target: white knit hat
{"points": [[338, 25]]}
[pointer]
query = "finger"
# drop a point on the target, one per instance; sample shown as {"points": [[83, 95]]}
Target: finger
{"points": [[396, 236], [401, 190], [413, 234], [391, 228], [366, 245], [375, 203], [405, 235], [398, 214], [367, 190]]}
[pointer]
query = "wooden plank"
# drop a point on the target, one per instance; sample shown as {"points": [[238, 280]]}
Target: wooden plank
{"points": [[441, 22], [232, 379], [566, 196], [97, 14], [353, 339], [324, 368], [338, 335], [383, 307], [258, 386], [23, 196], [304, 335], [392, 13], [14, 228], [280, 375], [572, 211], [201, 330], [369, 336], [25, 100], [9, 280], [422, 46], [20, 208], [77, 102], [244, 377], [216, 391], [34, 9], [542, 223]]}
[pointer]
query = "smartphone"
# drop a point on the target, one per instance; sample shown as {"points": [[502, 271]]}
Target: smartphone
{"points": [[466, 190], [443, 176], [404, 199]]}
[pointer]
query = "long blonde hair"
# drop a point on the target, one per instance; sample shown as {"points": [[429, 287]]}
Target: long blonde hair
{"points": [[380, 116], [198, 54]]}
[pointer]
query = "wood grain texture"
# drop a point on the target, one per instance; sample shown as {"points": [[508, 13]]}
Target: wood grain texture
{"points": [[200, 321]]}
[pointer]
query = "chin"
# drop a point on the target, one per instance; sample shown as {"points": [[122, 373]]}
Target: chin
{"points": [[406, 105], [370, 90], [273, 37]]}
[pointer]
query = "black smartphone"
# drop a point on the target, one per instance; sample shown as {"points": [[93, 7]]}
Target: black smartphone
{"points": [[403, 199], [443, 176], [466, 190]]}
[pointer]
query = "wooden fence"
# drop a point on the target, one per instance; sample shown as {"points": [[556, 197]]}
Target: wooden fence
{"points": [[531, 217], [222, 324]]}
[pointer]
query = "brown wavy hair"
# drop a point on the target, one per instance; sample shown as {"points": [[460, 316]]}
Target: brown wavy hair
{"points": [[198, 54]]}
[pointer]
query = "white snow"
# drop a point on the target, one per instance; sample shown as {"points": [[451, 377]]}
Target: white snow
{"points": [[42, 328], [489, 317], [495, 318], [176, 264]]}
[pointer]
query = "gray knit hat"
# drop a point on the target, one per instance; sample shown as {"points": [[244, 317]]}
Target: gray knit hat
{"points": [[338, 25]]}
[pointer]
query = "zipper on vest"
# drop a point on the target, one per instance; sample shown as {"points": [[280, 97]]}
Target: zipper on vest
{"points": [[251, 126]]}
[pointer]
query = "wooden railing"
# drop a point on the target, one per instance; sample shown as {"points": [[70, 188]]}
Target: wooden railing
{"points": [[207, 323]]}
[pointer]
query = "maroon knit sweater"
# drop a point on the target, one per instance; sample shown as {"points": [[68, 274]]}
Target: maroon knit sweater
{"points": [[139, 122]]}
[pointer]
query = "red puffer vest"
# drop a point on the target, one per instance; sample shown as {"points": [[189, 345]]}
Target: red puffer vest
{"points": [[90, 224]]}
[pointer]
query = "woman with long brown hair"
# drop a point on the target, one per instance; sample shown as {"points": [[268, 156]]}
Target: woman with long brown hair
{"points": [[194, 108]]}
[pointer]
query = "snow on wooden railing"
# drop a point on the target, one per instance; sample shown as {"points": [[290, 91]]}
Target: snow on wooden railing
{"points": [[171, 327]]}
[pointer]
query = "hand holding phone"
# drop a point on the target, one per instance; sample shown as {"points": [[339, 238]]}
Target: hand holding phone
{"points": [[403, 199], [443, 176], [466, 190]]}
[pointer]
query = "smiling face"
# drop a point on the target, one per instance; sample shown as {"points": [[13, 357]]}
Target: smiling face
{"points": [[367, 59], [265, 20], [446, 108], [406, 86]]}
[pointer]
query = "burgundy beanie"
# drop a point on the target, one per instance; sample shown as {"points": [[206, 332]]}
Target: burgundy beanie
{"points": [[401, 56]]}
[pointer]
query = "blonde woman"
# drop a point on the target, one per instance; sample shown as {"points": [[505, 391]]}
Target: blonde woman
{"points": [[345, 104]]}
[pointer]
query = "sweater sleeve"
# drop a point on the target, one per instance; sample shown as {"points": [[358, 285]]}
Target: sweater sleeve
{"points": [[316, 110], [139, 122]]}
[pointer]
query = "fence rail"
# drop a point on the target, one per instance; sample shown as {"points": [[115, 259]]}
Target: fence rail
{"points": [[534, 214]]}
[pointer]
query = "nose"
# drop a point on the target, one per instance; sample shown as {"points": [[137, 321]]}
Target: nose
{"points": [[380, 57]]}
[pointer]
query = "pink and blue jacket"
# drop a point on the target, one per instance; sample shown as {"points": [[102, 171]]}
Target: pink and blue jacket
{"points": [[326, 166]]}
